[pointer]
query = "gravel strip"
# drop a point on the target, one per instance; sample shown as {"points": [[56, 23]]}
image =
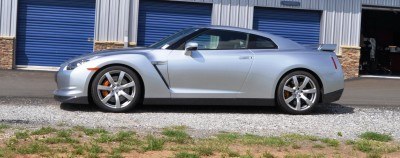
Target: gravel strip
{"points": [[203, 121]]}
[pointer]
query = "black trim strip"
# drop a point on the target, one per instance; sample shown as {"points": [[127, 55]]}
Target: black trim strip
{"points": [[209, 101], [162, 77]]}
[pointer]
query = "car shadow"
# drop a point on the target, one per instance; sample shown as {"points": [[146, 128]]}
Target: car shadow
{"points": [[319, 110]]}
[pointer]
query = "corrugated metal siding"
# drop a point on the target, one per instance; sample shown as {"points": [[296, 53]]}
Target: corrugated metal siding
{"points": [[302, 26], [387, 3], [233, 13], [8, 17], [52, 31], [341, 23], [304, 4], [112, 20]]}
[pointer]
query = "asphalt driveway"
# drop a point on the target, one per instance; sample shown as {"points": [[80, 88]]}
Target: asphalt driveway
{"points": [[362, 91]]}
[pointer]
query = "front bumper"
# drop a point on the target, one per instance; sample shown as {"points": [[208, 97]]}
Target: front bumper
{"points": [[72, 99], [72, 85]]}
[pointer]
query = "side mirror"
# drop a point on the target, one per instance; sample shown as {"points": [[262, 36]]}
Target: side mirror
{"points": [[189, 47]]}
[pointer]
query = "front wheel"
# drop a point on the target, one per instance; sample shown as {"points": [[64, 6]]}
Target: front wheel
{"points": [[116, 89], [298, 93]]}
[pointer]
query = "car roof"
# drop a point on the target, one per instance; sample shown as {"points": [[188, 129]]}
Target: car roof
{"points": [[281, 42]]}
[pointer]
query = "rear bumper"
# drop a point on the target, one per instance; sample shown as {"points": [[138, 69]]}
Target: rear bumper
{"points": [[332, 97], [72, 100]]}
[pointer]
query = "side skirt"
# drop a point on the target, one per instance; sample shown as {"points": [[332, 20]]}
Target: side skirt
{"points": [[209, 101]]}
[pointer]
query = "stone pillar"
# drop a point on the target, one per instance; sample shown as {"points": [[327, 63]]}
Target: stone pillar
{"points": [[350, 61], [110, 45], [7, 48]]}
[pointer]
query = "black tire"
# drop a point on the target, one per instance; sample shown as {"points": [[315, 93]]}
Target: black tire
{"points": [[291, 107], [125, 104]]}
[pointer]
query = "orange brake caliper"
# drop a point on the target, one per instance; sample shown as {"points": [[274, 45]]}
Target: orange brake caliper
{"points": [[105, 93]]}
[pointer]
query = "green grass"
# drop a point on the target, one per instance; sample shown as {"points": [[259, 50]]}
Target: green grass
{"points": [[376, 137], [115, 154], [22, 135], [374, 155], [298, 156], [300, 137], [64, 133], [58, 140], [296, 146], [372, 146], [177, 135], [250, 139], [123, 148], [205, 151], [78, 150], [122, 136], [95, 149], [4, 126], [228, 136], [331, 142], [125, 136], [363, 145], [268, 155], [44, 131], [104, 138], [153, 143], [186, 155], [247, 155], [33, 148], [90, 131], [2, 152], [318, 146]]}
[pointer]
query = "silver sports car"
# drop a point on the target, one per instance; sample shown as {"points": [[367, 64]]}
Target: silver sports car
{"points": [[210, 65]]}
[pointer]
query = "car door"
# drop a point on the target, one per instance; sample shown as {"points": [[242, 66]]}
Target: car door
{"points": [[217, 69]]}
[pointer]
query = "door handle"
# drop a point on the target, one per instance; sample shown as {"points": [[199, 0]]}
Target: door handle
{"points": [[245, 57]]}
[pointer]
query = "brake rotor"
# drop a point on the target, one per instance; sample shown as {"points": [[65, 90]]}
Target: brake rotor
{"points": [[105, 93]]}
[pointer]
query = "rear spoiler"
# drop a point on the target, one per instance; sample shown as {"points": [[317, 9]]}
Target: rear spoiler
{"points": [[327, 47]]}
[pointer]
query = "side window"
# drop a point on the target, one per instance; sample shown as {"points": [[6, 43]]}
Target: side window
{"points": [[221, 40], [259, 42]]}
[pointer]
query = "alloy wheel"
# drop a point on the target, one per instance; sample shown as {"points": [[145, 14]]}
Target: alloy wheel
{"points": [[299, 92], [116, 89]]}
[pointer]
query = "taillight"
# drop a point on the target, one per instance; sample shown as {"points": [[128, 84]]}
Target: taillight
{"points": [[334, 62]]}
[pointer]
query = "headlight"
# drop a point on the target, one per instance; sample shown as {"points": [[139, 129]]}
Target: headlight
{"points": [[77, 63]]}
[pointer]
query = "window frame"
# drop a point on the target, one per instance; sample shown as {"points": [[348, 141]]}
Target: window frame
{"points": [[255, 36], [182, 45]]}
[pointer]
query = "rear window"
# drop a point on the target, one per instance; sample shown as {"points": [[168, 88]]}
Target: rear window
{"points": [[259, 42]]}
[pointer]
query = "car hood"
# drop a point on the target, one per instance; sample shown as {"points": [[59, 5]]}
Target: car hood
{"points": [[137, 50]]}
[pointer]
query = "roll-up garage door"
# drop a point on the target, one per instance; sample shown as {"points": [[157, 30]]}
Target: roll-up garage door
{"points": [[299, 25], [53, 31], [158, 19]]}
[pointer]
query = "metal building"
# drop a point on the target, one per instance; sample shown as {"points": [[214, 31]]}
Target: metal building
{"points": [[43, 33]]}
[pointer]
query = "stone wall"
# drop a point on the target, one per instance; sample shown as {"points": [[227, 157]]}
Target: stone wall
{"points": [[350, 61], [110, 45], [7, 46]]}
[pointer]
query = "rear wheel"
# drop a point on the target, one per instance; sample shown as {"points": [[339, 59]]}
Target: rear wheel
{"points": [[116, 89], [298, 93]]}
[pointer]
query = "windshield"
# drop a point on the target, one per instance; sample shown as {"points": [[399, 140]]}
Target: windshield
{"points": [[164, 43]]}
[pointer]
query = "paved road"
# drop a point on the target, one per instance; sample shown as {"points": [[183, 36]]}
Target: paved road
{"points": [[27, 83], [364, 91], [371, 91]]}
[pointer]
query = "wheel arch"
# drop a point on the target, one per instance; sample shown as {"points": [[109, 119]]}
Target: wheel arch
{"points": [[110, 65], [301, 69]]}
